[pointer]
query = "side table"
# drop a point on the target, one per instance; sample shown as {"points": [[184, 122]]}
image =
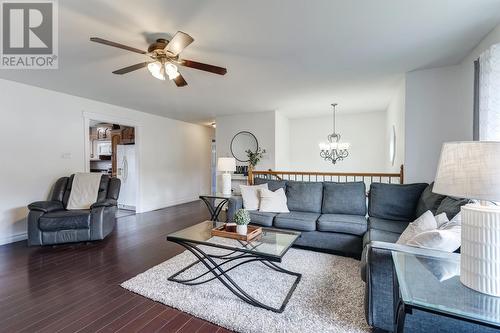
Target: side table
{"points": [[215, 202]]}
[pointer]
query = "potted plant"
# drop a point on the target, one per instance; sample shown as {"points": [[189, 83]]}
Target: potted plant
{"points": [[242, 219], [254, 156]]}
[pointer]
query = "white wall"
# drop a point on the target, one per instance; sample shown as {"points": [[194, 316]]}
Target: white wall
{"points": [[282, 139], [366, 132], [434, 114], [439, 108], [39, 126], [261, 124], [395, 116]]}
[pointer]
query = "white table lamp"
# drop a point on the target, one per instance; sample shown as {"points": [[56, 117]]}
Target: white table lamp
{"points": [[226, 165], [472, 170]]}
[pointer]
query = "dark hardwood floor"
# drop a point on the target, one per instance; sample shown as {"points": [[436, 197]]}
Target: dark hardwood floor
{"points": [[75, 288]]}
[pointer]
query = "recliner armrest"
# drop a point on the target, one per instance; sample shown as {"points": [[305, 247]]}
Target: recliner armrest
{"points": [[104, 203], [46, 206]]}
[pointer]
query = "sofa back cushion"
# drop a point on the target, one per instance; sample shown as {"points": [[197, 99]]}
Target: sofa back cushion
{"points": [[304, 196], [394, 201], [344, 198], [429, 201], [272, 185]]}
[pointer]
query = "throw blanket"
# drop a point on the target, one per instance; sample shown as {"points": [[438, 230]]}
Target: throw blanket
{"points": [[84, 190]]}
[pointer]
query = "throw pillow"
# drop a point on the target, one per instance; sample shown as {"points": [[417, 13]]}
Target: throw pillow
{"points": [[441, 219], [447, 239], [273, 202], [251, 196], [451, 206], [429, 201], [425, 222]]}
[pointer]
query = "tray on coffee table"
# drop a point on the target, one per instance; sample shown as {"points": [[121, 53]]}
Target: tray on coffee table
{"points": [[252, 232]]}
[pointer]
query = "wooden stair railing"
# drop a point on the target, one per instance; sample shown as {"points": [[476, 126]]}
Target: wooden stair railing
{"points": [[367, 177]]}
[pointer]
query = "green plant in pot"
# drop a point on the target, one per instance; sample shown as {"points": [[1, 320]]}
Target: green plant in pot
{"points": [[242, 219], [254, 157]]}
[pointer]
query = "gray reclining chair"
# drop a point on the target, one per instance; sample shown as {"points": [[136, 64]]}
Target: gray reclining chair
{"points": [[50, 223]]}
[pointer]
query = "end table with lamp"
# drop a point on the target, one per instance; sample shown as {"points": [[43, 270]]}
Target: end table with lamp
{"points": [[226, 165], [472, 170]]}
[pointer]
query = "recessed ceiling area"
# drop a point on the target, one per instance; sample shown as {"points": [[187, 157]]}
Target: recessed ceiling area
{"points": [[296, 56]]}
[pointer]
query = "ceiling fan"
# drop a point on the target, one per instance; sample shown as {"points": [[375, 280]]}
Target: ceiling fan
{"points": [[164, 58]]}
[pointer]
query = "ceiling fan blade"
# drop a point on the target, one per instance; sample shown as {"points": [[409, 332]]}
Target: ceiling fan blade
{"points": [[202, 67], [178, 43], [132, 68], [179, 81], [114, 44]]}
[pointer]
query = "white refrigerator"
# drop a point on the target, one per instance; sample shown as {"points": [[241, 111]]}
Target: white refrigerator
{"points": [[126, 172]]}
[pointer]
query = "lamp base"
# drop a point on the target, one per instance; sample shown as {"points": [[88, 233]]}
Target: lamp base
{"points": [[226, 183], [480, 250]]}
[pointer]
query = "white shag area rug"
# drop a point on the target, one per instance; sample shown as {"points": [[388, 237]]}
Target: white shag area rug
{"points": [[329, 297]]}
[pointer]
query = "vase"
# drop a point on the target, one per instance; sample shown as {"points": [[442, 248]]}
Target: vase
{"points": [[241, 229]]}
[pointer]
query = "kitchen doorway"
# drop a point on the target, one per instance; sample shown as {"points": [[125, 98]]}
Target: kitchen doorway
{"points": [[111, 148]]}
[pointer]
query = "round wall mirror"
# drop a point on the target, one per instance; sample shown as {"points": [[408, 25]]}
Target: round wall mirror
{"points": [[241, 142]]}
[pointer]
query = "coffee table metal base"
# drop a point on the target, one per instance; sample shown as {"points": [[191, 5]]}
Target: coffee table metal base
{"points": [[220, 270]]}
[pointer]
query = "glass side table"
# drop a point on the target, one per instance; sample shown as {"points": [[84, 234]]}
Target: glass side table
{"points": [[432, 284], [215, 202]]}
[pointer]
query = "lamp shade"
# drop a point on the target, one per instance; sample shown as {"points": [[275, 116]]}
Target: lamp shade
{"points": [[469, 170], [226, 164]]}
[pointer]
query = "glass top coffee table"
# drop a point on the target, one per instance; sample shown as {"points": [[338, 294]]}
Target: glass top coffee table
{"points": [[432, 284], [267, 248]]}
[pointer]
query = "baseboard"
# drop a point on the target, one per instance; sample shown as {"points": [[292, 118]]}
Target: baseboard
{"points": [[14, 238], [170, 204]]}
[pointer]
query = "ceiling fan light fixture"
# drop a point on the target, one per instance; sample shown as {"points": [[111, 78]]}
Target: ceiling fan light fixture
{"points": [[171, 71], [157, 70]]}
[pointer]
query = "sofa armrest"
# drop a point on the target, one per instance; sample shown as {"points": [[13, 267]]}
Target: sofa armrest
{"points": [[410, 249], [234, 203], [379, 278], [104, 203], [46, 206]]}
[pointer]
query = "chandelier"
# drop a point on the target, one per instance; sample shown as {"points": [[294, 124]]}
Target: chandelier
{"points": [[333, 150]]}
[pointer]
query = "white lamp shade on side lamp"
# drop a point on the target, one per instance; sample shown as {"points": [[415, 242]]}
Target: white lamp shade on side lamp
{"points": [[472, 170], [226, 165]]}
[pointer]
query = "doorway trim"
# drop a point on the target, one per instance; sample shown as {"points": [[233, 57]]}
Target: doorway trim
{"points": [[87, 116]]}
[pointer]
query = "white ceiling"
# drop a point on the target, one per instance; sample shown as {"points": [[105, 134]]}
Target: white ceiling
{"points": [[296, 56]]}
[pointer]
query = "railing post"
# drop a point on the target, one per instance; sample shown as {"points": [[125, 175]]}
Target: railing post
{"points": [[401, 174], [250, 176]]}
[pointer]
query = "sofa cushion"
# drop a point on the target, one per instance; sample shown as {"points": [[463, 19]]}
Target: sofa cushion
{"points": [[394, 201], [344, 198], [272, 185], [304, 196], [303, 221], [347, 224], [343, 223], [374, 235], [429, 201], [387, 225], [451, 206], [65, 220], [262, 218]]}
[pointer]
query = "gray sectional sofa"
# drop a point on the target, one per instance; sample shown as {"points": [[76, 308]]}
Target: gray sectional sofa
{"points": [[391, 208], [330, 216], [334, 217]]}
